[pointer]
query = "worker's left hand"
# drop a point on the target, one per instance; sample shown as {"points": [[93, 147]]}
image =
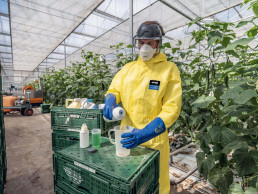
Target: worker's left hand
{"points": [[139, 136]]}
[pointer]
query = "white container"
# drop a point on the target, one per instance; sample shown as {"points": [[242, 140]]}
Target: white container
{"points": [[119, 130], [84, 136], [118, 114]]}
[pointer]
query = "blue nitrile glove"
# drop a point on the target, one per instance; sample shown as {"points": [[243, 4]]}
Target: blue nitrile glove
{"points": [[110, 104], [137, 136]]}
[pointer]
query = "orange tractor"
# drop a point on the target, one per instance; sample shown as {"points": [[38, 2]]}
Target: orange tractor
{"points": [[32, 97], [36, 96]]}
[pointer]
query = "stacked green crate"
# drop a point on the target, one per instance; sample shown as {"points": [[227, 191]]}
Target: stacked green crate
{"points": [[45, 108], [78, 171], [3, 161], [66, 124]]}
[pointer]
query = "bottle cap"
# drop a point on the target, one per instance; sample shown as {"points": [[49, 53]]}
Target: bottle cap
{"points": [[84, 127]]}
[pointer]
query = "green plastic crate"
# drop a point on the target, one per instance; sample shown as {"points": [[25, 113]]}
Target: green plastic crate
{"points": [[63, 139], [44, 111], [72, 119], [61, 187], [45, 108], [104, 172]]}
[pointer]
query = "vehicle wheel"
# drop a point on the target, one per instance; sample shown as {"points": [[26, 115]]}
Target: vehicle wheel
{"points": [[28, 112], [23, 112]]}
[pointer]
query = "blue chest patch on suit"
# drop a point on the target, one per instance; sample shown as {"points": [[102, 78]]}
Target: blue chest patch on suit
{"points": [[154, 85]]}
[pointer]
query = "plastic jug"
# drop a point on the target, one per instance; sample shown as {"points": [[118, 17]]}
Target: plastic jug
{"points": [[90, 104], [76, 103], [119, 130], [67, 102], [84, 102]]}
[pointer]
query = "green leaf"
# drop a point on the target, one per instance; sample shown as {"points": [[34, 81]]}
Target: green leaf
{"points": [[234, 146], [245, 96], [246, 162], [182, 55], [194, 21], [203, 101], [205, 164], [213, 36], [166, 45], [174, 50], [252, 32], [205, 140], [242, 41], [231, 94], [242, 23], [235, 188], [255, 9], [218, 155], [232, 52], [222, 135], [129, 46], [225, 41], [221, 178], [196, 60], [251, 190]]}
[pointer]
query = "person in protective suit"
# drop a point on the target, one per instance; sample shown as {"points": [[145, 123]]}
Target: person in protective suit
{"points": [[151, 94]]}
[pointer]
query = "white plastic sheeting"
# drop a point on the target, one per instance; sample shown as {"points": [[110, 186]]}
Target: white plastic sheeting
{"points": [[174, 24], [39, 26], [43, 30]]}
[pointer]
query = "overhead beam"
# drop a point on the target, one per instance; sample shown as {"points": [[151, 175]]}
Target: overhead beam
{"points": [[86, 35], [5, 34], [238, 13], [53, 58], [1, 52], [180, 12], [5, 58], [5, 45], [4, 14], [108, 15], [57, 53]]}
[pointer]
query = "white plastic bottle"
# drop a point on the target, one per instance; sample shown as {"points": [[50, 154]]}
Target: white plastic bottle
{"points": [[84, 136], [118, 114]]}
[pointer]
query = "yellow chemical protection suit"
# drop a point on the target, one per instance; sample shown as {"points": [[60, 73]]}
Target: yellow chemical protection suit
{"points": [[142, 105]]}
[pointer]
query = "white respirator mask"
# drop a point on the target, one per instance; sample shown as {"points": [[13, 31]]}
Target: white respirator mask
{"points": [[147, 52]]}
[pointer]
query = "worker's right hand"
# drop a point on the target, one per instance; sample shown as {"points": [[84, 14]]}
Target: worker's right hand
{"points": [[110, 104]]}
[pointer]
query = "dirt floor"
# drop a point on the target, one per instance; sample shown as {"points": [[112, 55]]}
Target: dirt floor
{"points": [[29, 155]]}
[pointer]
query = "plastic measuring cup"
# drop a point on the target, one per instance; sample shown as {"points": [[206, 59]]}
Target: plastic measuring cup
{"points": [[119, 130], [96, 137]]}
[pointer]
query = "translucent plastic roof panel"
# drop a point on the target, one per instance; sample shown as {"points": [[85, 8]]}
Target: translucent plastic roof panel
{"points": [[42, 25], [4, 25], [56, 56], [3, 55], [77, 40], [4, 6], [202, 8], [5, 39], [120, 8], [5, 49], [149, 10], [95, 25]]}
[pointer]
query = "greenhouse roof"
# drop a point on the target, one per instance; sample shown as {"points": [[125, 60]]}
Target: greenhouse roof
{"points": [[35, 35]]}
